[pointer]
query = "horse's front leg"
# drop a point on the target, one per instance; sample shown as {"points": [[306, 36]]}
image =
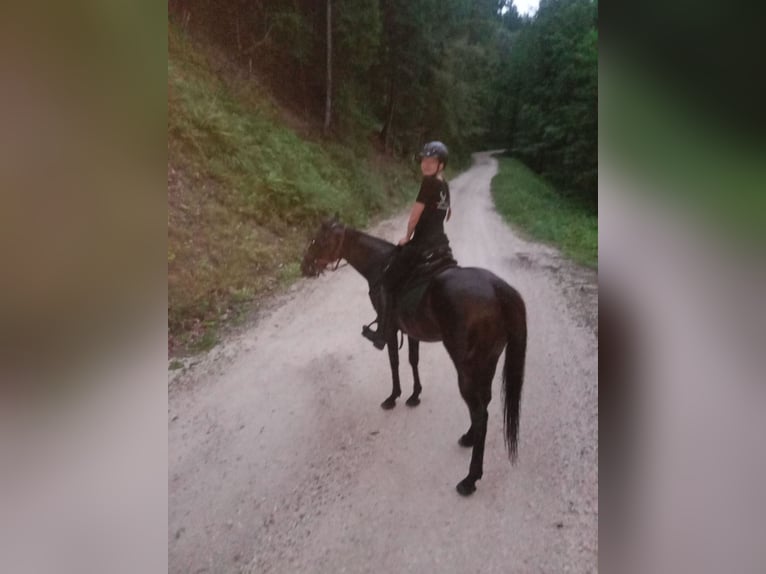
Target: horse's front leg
{"points": [[393, 358], [414, 347]]}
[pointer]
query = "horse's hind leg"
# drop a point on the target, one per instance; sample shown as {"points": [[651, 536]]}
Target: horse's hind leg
{"points": [[479, 417], [477, 394], [467, 439], [414, 347], [393, 358]]}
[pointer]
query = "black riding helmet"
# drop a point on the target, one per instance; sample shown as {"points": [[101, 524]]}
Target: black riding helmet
{"points": [[435, 149]]}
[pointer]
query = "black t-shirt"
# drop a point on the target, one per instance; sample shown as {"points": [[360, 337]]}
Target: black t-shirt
{"points": [[434, 194]]}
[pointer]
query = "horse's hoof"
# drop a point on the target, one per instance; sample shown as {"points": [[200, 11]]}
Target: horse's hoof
{"points": [[388, 404], [413, 401], [466, 440], [466, 487]]}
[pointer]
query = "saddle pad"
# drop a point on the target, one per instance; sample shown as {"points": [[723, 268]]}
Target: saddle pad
{"points": [[414, 287], [409, 299]]}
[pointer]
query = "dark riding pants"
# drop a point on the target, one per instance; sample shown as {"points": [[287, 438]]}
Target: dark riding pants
{"points": [[402, 262]]}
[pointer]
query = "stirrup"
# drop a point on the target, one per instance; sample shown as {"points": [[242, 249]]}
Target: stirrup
{"points": [[378, 341]]}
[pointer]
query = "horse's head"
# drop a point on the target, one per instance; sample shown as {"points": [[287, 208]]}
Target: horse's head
{"points": [[324, 248]]}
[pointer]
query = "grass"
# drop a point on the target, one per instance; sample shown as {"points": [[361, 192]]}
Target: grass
{"points": [[527, 201], [245, 190], [175, 364], [690, 156]]}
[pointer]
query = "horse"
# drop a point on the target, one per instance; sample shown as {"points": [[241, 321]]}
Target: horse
{"points": [[472, 311]]}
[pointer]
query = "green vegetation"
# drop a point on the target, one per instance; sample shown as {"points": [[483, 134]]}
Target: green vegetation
{"points": [[175, 364], [549, 84], [472, 73], [258, 152], [699, 165], [244, 190], [525, 200]]}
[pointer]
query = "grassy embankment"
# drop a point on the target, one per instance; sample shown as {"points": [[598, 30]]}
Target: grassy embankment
{"points": [[531, 204], [246, 185]]}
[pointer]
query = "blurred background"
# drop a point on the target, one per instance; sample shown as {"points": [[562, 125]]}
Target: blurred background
{"points": [[83, 434], [84, 311], [682, 183]]}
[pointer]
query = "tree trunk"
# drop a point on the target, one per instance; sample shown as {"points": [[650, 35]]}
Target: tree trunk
{"points": [[236, 23], [387, 132], [328, 101]]}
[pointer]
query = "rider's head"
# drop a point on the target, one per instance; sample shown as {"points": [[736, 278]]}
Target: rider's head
{"points": [[433, 158]]}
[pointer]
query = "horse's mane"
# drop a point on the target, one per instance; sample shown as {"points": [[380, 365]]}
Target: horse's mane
{"points": [[377, 242], [377, 249]]}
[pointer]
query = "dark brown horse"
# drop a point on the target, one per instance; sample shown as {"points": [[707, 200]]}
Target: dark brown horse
{"points": [[472, 311]]}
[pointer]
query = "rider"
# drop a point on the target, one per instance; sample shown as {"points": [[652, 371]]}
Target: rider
{"points": [[425, 231]]}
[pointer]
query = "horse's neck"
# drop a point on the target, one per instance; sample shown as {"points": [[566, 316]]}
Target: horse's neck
{"points": [[365, 253]]}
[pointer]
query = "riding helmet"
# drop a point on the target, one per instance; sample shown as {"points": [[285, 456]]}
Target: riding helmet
{"points": [[435, 149]]}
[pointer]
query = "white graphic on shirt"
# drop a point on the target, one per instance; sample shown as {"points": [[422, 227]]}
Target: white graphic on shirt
{"points": [[443, 202]]}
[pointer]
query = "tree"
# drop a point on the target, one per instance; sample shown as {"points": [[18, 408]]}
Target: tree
{"points": [[550, 95], [328, 101], [473, 73]]}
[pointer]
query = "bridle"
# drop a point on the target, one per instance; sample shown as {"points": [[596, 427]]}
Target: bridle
{"points": [[335, 258]]}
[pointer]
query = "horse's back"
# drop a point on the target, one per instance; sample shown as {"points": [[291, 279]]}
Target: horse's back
{"points": [[460, 301], [468, 285]]}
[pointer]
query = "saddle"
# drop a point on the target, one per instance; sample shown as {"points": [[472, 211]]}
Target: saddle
{"points": [[409, 293]]}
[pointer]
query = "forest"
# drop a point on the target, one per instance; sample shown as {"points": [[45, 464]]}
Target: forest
{"points": [[281, 113], [472, 73]]}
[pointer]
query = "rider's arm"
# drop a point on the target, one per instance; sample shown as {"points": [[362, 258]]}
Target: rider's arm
{"points": [[417, 211]]}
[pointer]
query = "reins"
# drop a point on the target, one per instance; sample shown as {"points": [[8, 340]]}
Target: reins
{"points": [[340, 249]]}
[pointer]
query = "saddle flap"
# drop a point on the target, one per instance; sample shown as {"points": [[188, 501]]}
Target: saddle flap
{"points": [[411, 291]]}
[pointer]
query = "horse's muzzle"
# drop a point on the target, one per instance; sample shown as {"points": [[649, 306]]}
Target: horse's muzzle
{"points": [[308, 267]]}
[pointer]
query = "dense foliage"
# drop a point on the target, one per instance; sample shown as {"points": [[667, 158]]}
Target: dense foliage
{"points": [[549, 95], [472, 73]]}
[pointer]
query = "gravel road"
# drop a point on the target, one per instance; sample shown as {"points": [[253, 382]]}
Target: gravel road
{"points": [[281, 459]]}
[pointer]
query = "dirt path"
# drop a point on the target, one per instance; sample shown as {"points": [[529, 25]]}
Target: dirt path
{"points": [[281, 460]]}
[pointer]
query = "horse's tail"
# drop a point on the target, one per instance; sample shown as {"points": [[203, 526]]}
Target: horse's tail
{"points": [[513, 369]]}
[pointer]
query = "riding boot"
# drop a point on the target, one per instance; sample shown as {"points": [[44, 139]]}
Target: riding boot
{"points": [[380, 336]]}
